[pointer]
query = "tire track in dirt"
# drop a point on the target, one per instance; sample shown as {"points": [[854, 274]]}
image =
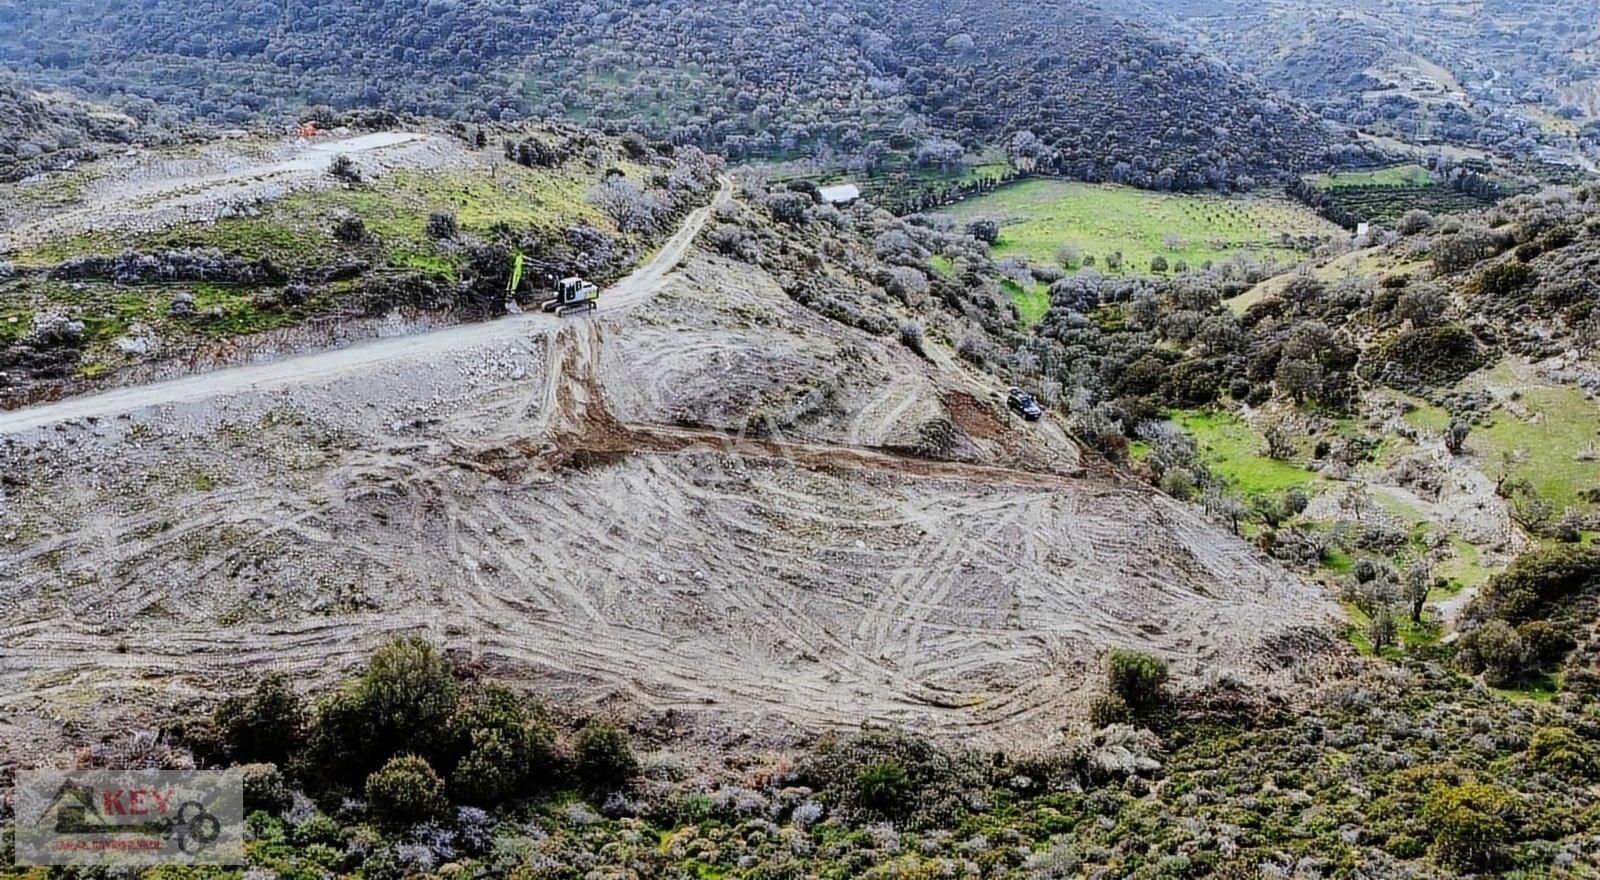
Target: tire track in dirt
{"points": [[760, 583]]}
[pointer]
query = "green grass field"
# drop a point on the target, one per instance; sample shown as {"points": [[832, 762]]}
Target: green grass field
{"points": [[1031, 304], [1399, 175], [1038, 217], [1546, 432], [1233, 451]]}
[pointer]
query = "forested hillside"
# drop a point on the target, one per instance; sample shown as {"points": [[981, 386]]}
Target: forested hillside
{"points": [[1064, 85], [1513, 75]]}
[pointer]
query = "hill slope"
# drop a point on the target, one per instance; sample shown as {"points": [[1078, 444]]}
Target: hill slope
{"points": [[1108, 99], [39, 130], [1509, 75]]}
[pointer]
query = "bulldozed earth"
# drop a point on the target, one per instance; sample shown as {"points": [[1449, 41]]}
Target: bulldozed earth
{"points": [[715, 513]]}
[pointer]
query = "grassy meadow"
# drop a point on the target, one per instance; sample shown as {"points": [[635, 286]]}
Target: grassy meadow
{"points": [[1038, 217]]}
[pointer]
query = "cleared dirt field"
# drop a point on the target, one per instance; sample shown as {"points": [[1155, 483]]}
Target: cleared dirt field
{"points": [[576, 510]]}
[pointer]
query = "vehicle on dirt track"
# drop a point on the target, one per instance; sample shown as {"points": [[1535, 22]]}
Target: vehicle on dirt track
{"points": [[1023, 404], [573, 295]]}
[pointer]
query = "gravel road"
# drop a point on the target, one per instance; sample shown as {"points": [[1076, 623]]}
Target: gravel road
{"points": [[363, 357]]}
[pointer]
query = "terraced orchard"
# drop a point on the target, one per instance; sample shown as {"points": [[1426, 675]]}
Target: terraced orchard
{"points": [[1125, 230]]}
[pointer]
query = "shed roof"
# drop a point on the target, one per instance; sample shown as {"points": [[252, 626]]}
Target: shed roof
{"points": [[838, 195]]}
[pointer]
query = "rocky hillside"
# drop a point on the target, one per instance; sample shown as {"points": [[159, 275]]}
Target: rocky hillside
{"points": [[1091, 96], [40, 131]]}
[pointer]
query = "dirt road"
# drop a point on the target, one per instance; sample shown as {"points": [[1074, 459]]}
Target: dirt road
{"points": [[144, 192], [639, 286]]}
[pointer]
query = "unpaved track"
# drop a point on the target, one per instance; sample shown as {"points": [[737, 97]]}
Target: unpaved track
{"points": [[143, 192], [363, 357]]}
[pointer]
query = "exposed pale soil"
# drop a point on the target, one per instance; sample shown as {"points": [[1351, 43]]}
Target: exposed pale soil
{"points": [[582, 507]]}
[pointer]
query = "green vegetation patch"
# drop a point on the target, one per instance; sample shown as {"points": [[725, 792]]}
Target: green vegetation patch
{"points": [[1549, 436], [298, 230], [1235, 451], [1031, 303], [1039, 217], [1412, 175]]}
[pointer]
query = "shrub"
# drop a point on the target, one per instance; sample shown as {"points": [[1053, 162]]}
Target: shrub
{"points": [[404, 791], [1494, 649], [908, 285], [1544, 642], [401, 703], [443, 226], [936, 791], [986, 231], [1469, 823], [265, 789], [1540, 577], [1414, 221], [1562, 751], [636, 146], [603, 757], [1138, 678], [1504, 279], [344, 169], [1109, 709], [629, 205], [911, 337], [351, 230], [409, 686], [267, 725], [1438, 355], [1179, 483], [1454, 252], [319, 830], [883, 786], [500, 750], [495, 768], [787, 207], [807, 188]]}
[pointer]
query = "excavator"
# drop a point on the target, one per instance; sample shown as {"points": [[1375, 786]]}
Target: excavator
{"points": [[573, 295]]}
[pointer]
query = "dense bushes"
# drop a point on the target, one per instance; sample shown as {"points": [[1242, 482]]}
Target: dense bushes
{"points": [[603, 757], [1427, 356], [410, 735], [1562, 750], [1504, 279], [1522, 623], [1470, 822], [1537, 579], [268, 725], [1371, 770], [400, 704]]}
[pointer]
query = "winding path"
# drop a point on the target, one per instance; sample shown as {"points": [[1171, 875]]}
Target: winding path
{"points": [[643, 283]]}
